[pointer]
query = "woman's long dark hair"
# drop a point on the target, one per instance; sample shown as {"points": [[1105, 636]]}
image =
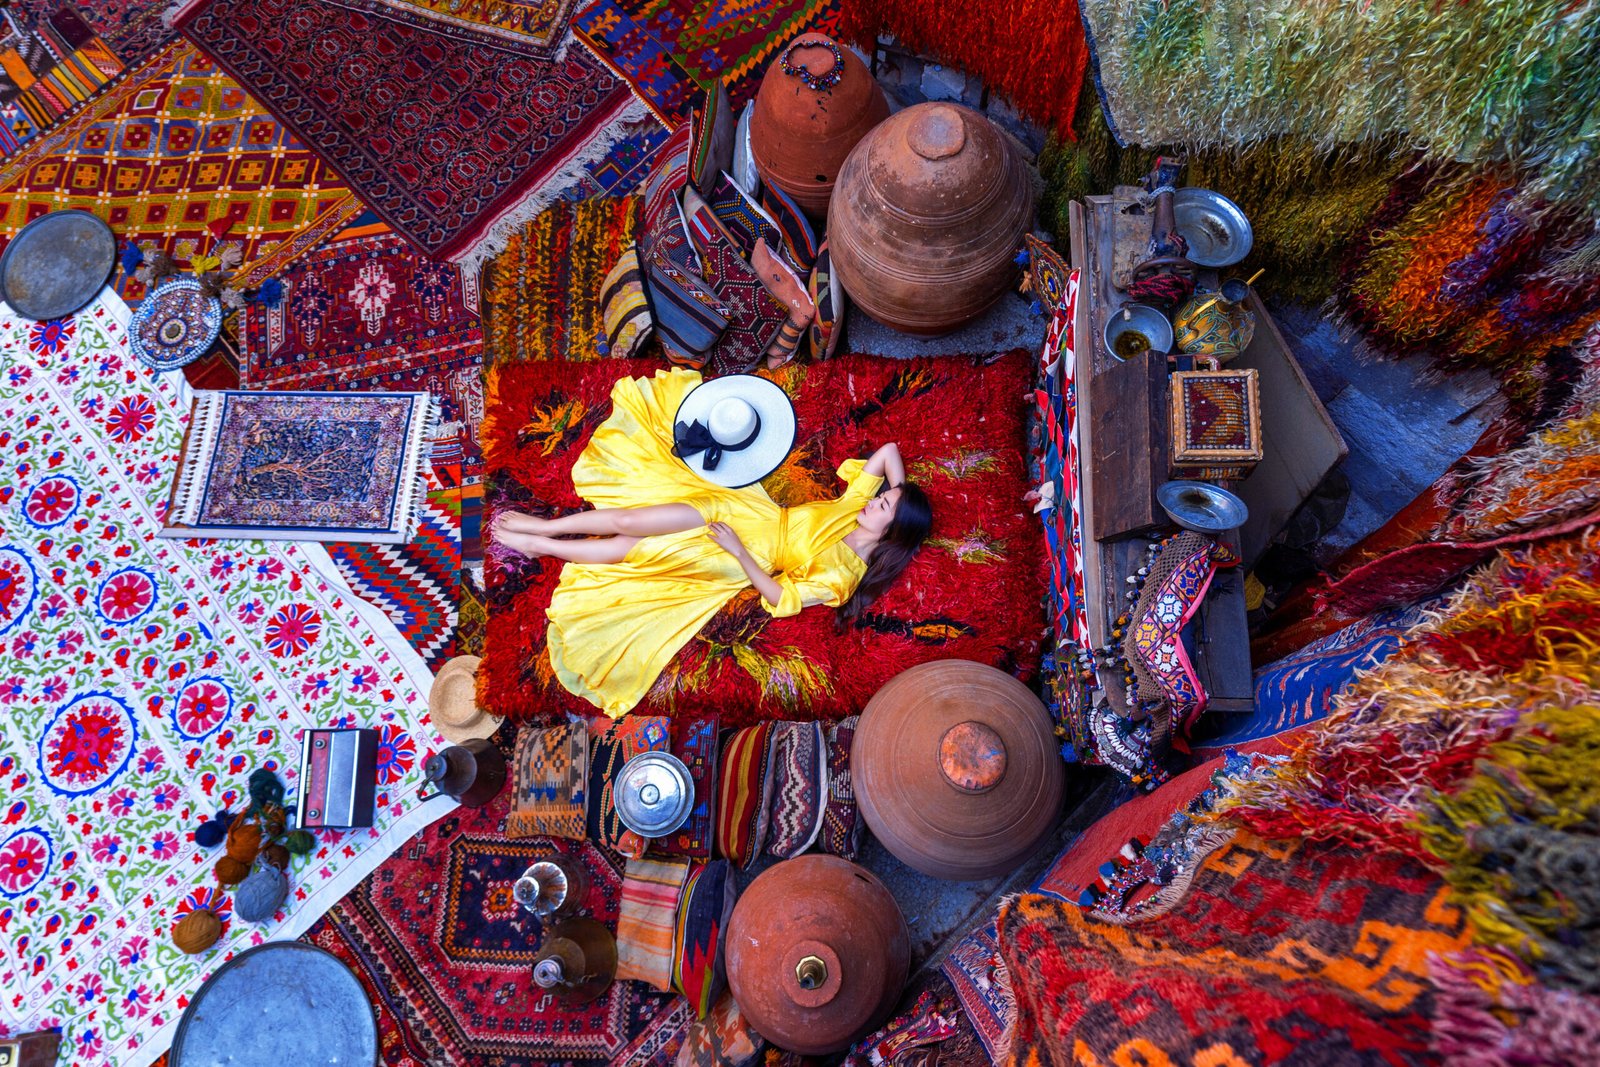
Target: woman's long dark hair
{"points": [[913, 518]]}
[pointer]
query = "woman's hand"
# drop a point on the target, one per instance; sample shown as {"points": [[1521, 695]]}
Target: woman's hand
{"points": [[726, 539]]}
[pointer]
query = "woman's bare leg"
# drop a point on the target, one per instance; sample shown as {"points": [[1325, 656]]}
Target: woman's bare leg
{"points": [[632, 522], [600, 550]]}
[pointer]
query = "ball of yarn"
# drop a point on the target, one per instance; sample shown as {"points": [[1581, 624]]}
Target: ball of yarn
{"points": [[230, 871], [273, 822], [212, 832], [300, 842], [196, 931], [244, 842], [260, 896], [265, 788], [276, 856]]}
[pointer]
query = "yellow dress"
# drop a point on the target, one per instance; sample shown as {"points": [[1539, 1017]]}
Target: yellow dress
{"points": [[614, 627]]}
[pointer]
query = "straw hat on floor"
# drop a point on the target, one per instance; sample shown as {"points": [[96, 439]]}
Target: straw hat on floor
{"points": [[452, 703]]}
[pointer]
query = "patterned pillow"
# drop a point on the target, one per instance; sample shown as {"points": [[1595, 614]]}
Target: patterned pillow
{"points": [[799, 239], [744, 172], [694, 741], [698, 971], [668, 173], [550, 782], [756, 315], [624, 310], [622, 740], [742, 792], [799, 788], [827, 297], [647, 924], [841, 822], [711, 138], [785, 284], [741, 217], [1048, 274]]}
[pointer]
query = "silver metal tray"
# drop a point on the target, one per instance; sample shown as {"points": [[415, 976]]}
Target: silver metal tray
{"points": [[282, 1004], [56, 264], [1202, 507], [1218, 233]]}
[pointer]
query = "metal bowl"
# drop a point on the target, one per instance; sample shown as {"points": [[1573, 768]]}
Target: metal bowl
{"points": [[1142, 319], [1218, 233], [1202, 507], [56, 264], [653, 794]]}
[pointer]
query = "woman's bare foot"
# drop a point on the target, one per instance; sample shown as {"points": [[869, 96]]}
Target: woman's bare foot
{"points": [[520, 522], [530, 545]]}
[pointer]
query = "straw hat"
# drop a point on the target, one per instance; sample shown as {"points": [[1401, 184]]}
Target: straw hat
{"points": [[452, 702], [735, 430]]}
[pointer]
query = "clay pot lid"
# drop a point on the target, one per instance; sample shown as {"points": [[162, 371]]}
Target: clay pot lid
{"points": [[956, 769], [937, 161], [817, 953]]}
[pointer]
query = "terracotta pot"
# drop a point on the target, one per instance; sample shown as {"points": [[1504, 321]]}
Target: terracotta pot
{"points": [[799, 136], [957, 770], [927, 217], [818, 954]]}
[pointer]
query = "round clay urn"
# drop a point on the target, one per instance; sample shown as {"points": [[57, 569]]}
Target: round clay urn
{"points": [[957, 770], [927, 217], [818, 954], [800, 136]]}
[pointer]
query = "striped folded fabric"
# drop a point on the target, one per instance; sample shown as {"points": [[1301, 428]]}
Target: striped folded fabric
{"points": [[698, 970], [742, 793], [647, 926], [624, 311]]}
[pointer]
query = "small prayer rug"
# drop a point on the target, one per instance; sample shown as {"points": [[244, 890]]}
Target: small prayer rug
{"points": [[668, 50], [975, 591], [302, 466], [452, 140], [373, 315], [145, 679], [446, 955], [541, 296], [173, 146]]}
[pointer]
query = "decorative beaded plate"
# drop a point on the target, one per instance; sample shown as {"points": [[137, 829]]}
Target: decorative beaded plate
{"points": [[174, 324]]}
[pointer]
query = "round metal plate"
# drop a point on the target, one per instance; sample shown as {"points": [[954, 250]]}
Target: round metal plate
{"points": [[653, 794], [278, 1004], [1202, 507], [1218, 233], [57, 264]]}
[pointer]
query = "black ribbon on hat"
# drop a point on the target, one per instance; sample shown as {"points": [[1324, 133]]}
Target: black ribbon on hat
{"points": [[692, 438]]}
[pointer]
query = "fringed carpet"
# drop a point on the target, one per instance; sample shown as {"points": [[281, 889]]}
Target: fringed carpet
{"points": [[174, 146], [145, 679], [668, 51], [452, 139], [447, 956], [976, 591], [541, 295], [1277, 953]]}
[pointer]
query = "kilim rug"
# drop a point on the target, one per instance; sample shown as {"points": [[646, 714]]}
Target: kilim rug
{"points": [[373, 315], [976, 591], [144, 680], [414, 583], [48, 71], [447, 956], [534, 27], [541, 296], [666, 50], [130, 28], [173, 146], [1279, 953], [452, 140]]}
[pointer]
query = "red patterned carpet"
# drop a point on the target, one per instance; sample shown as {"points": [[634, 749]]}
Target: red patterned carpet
{"points": [[976, 591], [442, 131], [446, 956]]}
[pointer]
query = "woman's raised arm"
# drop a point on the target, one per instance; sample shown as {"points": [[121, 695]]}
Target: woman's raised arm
{"points": [[886, 463]]}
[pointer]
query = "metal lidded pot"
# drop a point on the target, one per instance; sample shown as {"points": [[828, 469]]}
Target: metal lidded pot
{"points": [[653, 794]]}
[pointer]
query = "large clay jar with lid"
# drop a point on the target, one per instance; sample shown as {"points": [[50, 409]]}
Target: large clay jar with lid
{"points": [[957, 770], [927, 217], [818, 954], [800, 136]]}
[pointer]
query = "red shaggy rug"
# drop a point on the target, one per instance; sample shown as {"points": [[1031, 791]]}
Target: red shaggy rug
{"points": [[976, 591]]}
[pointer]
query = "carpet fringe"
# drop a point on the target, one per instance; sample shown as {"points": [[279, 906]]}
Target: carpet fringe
{"points": [[499, 233], [179, 10]]}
